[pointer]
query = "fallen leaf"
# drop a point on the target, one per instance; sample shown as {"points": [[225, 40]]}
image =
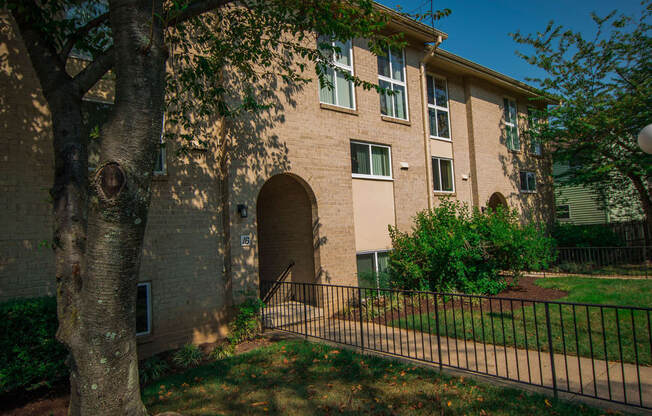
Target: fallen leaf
{"points": [[258, 404], [449, 403], [548, 403]]}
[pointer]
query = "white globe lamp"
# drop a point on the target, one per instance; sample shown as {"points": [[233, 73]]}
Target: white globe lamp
{"points": [[645, 139]]}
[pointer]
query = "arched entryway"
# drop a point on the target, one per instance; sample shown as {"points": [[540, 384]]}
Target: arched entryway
{"points": [[497, 200], [286, 211]]}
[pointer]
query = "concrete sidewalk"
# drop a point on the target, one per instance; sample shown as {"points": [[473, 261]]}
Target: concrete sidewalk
{"points": [[574, 374]]}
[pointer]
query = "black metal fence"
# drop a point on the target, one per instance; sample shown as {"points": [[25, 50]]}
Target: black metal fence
{"points": [[600, 351], [606, 261]]}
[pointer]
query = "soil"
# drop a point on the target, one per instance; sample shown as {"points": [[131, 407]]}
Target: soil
{"points": [[515, 297], [55, 402]]}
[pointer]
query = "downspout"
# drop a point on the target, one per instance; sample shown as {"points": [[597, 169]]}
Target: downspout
{"points": [[430, 52]]}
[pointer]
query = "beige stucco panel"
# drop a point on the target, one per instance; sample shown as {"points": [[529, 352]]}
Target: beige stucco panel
{"points": [[441, 148], [373, 211]]}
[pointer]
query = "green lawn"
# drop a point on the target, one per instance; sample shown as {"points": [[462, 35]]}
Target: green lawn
{"points": [[521, 326], [301, 378]]}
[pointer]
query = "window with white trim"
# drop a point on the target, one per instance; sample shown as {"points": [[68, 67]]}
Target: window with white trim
{"points": [[144, 309], [563, 212], [161, 165], [528, 181], [371, 160], [533, 121], [372, 268], [511, 124], [342, 90], [438, 115], [391, 76], [442, 175]]}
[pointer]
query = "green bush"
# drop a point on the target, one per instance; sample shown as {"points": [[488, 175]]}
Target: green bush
{"points": [[187, 356], [246, 324], [222, 351], [30, 356], [152, 369], [453, 248], [592, 235]]}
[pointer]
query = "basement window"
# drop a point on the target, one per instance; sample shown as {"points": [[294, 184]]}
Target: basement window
{"points": [[143, 309], [372, 268]]}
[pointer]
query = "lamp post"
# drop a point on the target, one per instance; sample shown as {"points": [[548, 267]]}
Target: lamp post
{"points": [[645, 139]]}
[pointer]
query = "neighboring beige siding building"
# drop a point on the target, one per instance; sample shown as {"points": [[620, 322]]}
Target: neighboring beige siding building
{"points": [[317, 188]]}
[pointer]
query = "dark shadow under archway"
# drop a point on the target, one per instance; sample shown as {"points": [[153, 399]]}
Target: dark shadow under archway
{"points": [[497, 200], [286, 211]]}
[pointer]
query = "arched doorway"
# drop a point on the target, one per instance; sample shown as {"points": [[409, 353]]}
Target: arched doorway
{"points": [[286, 211], [497, 200]]}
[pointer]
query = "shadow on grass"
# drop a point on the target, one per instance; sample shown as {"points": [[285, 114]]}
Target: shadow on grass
{"points": [[301, 378]]}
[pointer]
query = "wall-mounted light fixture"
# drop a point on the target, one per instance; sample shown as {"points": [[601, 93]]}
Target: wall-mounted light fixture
{"points": [[242, 210]]}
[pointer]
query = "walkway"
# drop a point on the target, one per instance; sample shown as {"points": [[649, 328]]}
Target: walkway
{"points": [[596, 378]]}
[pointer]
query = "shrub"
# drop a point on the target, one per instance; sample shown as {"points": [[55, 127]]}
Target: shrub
{"points": [[30, 356], [592, 235], [222, 351], [152, 369], [453, 248], [187, 356], [246, 324]]}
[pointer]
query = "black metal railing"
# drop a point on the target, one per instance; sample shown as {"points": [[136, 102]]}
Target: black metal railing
{"points": [[607, 261], [600, 351]]}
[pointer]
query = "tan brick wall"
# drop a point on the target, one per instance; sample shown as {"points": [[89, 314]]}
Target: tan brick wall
{"points": [[193, 274]]}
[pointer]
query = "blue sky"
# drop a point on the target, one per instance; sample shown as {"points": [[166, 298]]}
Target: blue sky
{"points": [[479, 29]]}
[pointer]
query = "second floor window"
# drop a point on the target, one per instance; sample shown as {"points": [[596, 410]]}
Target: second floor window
{"points": [[391, 76], [528, 181], [371, 160], [511, 124], [342, 92], [533, 121], [442, 175], [438, 107]]}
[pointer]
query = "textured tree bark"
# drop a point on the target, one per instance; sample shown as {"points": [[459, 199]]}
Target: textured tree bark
{"points": [[99, 325], [644, 195]]}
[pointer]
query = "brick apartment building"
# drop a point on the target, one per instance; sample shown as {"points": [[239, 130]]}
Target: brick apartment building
{"points": [[317, 186]]}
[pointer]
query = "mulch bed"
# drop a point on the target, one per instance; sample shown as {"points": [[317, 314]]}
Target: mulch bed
{"points": [[524, 289]]}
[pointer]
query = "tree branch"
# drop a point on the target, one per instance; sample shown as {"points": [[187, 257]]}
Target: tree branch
{"points": [[82, 31], [93, 72], [195, 9]]}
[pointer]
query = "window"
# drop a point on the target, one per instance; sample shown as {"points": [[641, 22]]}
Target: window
{"points": [[161, 166], [563, 212], [533, 121], [528, 181], [391, 76], [371, 160], [94, 114], [511, 125], [372, 268], [143, 309], [438, 107], [341, 94], [442, 175]]}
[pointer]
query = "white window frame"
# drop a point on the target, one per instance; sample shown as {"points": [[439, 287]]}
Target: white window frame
{"points": [[440, 108], [375, 253], [147, 285], [346, 69], [392, 81], [372, 176], [452, 175], [528, 172], [161, 142], [569, 211], [536, 147], [512, 124]]}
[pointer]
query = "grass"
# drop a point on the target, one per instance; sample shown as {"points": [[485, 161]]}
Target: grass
{"points": [[584, 331], [301, 378]]}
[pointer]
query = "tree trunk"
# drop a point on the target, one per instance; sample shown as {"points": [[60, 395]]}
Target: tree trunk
{"points": [[99, 326]]}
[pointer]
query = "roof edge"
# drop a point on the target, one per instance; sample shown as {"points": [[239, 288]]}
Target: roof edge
{"points": [[476, 67], [425, 32]]}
